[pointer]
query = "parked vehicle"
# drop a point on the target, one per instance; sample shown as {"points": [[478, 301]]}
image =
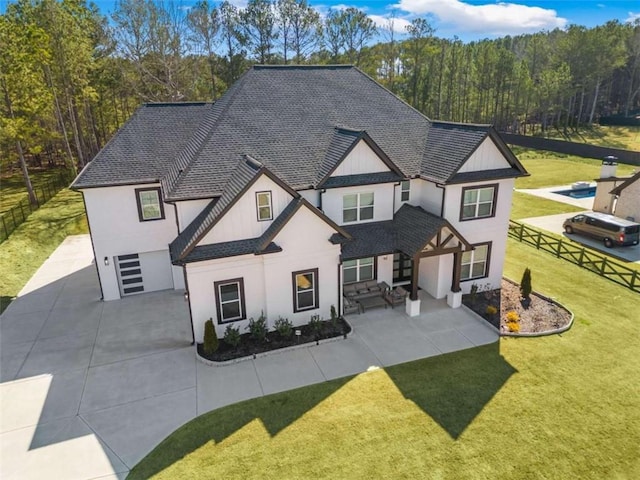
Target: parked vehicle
{"points": [[611, 230]]}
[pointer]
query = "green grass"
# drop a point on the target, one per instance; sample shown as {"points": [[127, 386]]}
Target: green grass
{"points": [[564, 406], [549, 169], [13, 190], [626, 138], [33, 241], [528, 206]]}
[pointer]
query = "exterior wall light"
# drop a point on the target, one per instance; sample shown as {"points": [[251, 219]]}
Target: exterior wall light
{"points": [[186, 296], [106, 261]]}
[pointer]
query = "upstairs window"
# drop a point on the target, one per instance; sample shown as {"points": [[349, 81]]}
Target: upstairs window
{"points": [[305, 290], [475, 263], [405, 187], [357, 207], [478, 202], [263, 203], [149, 204]]}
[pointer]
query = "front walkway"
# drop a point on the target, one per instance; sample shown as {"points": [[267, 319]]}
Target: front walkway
{"points": [[90, 387]]}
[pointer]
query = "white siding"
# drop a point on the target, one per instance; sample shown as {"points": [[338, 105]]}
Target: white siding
{"points": [[385, 269], [486, 157], [268, 278], [311, 196], [117, 230], [188, 210], [427, 195], [241, 221], [360, 160], [382, 199], [493, 229]]}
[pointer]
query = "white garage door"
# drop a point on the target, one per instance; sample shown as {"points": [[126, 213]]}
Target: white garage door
{"points": [[144, 272]]}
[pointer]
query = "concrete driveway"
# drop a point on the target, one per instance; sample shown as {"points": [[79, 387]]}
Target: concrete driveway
{"points": [[90, 387]]}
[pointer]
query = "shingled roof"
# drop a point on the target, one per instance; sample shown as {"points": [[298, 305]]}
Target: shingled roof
{"points": [[145, 148], [298, 120]]}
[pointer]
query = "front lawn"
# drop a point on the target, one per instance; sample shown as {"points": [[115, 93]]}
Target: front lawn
{"points": [[528, 206], [33, 241], [564, 406]]}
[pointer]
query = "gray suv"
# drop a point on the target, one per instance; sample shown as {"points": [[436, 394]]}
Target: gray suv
{"points": [[601, 226]]}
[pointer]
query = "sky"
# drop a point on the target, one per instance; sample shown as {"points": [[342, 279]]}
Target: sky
{"points": [[470, 19]]}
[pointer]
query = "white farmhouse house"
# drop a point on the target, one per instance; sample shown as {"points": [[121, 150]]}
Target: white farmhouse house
{"points": [[299, 180]]}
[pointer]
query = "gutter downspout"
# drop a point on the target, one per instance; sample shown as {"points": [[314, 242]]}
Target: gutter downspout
{"points": [[186, 282], [442, 186]]}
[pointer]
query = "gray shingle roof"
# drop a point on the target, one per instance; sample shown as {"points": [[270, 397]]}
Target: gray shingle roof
{"points": [[408, 232], [361, 179], [143, 150], [291, 118], [481, 175], [617, 190], [229, 249]]}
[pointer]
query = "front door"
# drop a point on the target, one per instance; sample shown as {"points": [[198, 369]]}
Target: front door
{"points": [[402, 268]]}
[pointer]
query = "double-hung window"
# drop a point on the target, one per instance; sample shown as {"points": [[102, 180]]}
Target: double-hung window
{"points": [[305, 290], [149, 204], [230, 300], [405, 188], [357, 207], [263, 204], [475, 263], [358, 270], [478, 202]]}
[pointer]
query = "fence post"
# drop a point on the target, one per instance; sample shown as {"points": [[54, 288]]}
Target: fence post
{"points": [[634, 276], [6, 231], [558, 249], [581, 257], [21, 211], [13, 216], [521, 231], [604, 263], [538, 240]]}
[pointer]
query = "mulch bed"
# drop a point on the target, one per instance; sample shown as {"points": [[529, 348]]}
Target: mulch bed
{"points": [[249, 346], [540, 316]]}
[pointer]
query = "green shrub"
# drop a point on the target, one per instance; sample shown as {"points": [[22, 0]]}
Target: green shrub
{"points": [[210, 338], [316, 325], [334, 316], [473, 294], [284, 327], [232, 336], [258, 328], [525, 284], [491, 310]]}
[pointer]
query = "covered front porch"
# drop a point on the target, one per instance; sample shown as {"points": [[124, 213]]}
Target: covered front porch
{"points": [[416, 251]]}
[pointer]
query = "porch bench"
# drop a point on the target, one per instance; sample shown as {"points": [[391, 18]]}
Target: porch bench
{"points": [[360, 290], [350, 306], [396, 296]]}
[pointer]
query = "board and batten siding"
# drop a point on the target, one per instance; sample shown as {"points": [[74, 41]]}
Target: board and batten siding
{"points": [[268, 278], [486, 157], [362, 159], [492, 229], [241, 221], [382, 202], [188, 210], [427, 195], [116, 229]]}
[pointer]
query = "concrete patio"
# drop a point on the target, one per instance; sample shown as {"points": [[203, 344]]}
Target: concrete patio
{"points": [[90, 387]]}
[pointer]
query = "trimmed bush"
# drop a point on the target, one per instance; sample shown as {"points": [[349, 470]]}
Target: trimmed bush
{"points": [[525, 284], [258, 328], [210, 338], [284, 327], [232, 336], [316, 325], [334, 316]]}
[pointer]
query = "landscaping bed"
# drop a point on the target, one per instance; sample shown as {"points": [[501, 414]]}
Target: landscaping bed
{"points": [[542, 315], [249, 345]]}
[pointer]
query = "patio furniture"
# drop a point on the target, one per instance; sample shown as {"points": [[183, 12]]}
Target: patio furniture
{"points": [[350, 306], [372, 302], [396, 296], [359, 290]]}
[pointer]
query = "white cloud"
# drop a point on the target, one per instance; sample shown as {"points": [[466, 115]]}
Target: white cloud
{"points": [[632, 17], [493, 19], [382, 22]]}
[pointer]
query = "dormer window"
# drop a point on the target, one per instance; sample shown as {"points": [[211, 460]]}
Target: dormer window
{"points": [[149, 204], [405, 187], [263, 204], [357, 207]]}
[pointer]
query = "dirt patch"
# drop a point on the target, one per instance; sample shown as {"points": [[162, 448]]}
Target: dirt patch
{"points": [[541, 315]]}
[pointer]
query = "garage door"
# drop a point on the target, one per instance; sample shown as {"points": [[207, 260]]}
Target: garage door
{"points": [[144, 272]]}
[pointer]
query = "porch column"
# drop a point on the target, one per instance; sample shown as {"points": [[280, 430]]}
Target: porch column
{"points": [[457, 267], [414, 277]]}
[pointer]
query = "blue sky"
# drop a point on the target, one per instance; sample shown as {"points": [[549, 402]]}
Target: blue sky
{"points": [[472, 19]]}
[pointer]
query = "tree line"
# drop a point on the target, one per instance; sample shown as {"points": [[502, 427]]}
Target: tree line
{"points": [[70, 76]]}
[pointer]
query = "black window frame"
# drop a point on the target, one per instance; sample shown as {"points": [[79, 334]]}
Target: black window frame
{"points": [[316, 290], [138, 191], [375, 269], [216, 288], [493, 202], [270, 206], [487, 263]]}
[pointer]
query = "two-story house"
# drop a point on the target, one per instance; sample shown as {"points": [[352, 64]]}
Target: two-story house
{"points": [[297, 181]]}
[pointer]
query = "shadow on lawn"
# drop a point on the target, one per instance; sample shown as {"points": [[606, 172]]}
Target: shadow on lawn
{"points": [[454, 388]]}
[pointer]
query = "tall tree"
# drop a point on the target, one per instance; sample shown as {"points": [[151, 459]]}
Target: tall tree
{"points": [[357, 30], [204, 24], [258, 22], [233, 39]]}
